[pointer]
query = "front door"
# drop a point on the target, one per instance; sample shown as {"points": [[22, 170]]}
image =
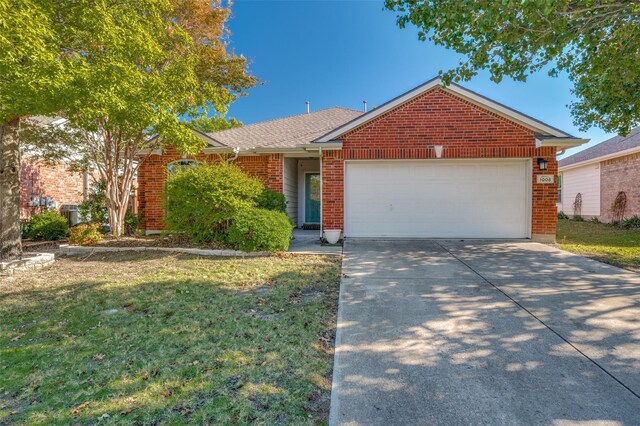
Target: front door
{"points": [[312, 198]]}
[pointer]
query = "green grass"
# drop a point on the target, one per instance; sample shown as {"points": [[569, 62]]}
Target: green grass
{"points": [[169, 339], [606, 243]]}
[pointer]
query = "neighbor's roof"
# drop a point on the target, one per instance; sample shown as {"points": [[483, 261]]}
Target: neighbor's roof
{"points": [[606, 148], [287, 132]]}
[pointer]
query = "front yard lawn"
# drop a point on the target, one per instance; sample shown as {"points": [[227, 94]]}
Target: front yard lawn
{"points": [[154, 338], [606, 243]]}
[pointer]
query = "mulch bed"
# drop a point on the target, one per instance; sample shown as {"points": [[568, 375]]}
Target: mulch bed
{"points": [[170, 241]]}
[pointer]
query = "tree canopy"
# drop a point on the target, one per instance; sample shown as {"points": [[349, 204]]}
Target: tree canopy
{"points": [[214, 123], [596, 42], [139, 67]]}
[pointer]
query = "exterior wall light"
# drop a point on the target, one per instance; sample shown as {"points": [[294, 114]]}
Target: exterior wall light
{"points": [[438, 150], [542, 164]]}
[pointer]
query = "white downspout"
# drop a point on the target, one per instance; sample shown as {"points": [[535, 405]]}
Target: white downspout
{"points": [[321, 191]]}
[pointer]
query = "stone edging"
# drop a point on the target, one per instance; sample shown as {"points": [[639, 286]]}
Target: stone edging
{"points": [[27, 263], [71, 250]]}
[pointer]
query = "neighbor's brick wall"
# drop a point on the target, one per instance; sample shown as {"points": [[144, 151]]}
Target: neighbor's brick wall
{"points": [[40, 180], [439, 118], [152, 175], [620, 174]]}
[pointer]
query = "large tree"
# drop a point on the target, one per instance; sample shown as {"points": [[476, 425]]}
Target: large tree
{"points": [[33, 73], [596, 42], [145, 64]]}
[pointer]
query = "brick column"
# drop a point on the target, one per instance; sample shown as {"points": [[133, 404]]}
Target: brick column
{"points": [[544, 215], [333, 190], [275, 170]]}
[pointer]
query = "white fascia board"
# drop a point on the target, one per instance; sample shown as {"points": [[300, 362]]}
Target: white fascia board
{"points": [[460, 91], [599, 159], [562, 143]]}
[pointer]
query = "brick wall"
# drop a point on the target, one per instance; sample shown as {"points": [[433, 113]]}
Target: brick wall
{"points": [[40, 180], [440, 118], [153, 173], [620, 174]]}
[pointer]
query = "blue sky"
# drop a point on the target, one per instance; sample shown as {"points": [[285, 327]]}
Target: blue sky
{"points": [[339, 53]]}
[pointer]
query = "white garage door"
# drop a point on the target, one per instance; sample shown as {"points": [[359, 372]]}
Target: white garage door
{"points": [[439, 199]]}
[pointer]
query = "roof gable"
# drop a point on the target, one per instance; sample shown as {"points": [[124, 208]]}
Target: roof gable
{"points": [[519, 118]]}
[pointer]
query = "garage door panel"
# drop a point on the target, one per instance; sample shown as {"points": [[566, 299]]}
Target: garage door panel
{"points": [[447, 199]]}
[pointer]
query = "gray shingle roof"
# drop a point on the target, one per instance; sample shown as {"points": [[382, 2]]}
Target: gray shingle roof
{"points": [[610, 146], [286, 132]]}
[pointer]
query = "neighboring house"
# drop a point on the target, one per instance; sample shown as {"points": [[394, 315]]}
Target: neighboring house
{"points": [[45, 186], [598, 174], [48, 186], [434, 162]]}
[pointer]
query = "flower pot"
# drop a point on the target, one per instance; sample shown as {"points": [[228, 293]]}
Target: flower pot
{"points": [[332, 235]]}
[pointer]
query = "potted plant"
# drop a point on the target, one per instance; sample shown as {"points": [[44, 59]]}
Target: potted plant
{"points": [[332, 235]]}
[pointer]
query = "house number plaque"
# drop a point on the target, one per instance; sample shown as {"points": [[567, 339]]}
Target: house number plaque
{"points": [[544, 179]]}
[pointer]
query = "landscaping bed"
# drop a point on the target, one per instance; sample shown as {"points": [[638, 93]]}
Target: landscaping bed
{"points": [[603, 242], [159, 338], [170, 241]]}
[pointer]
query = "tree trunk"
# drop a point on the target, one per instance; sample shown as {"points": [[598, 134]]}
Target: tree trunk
{"points": [[10, 244]]}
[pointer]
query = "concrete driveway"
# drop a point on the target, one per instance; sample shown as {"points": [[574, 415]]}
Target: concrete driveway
{"points": [[484, 332]]}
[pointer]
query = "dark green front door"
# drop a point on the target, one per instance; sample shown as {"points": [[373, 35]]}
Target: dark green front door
{"points": [[312, 198]]}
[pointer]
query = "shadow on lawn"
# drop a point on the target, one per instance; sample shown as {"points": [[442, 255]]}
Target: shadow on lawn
{"points": [[169, 339]]}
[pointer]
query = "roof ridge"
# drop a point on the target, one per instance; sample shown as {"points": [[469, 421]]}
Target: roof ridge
{"points": [[280, 118]]}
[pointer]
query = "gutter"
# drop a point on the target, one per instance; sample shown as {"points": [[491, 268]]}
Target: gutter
{"points": [[562, 143]]}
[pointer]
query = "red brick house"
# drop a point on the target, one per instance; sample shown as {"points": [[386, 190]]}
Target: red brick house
{"points": [[599, 174], [42, 184], [434, 162]]}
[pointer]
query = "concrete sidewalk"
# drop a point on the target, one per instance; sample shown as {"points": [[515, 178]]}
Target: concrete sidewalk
{"points": [[444, 332]]}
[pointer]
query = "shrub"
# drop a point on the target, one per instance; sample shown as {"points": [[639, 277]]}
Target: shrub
{"points": [[25, 226], [595, 220], [256, 229], [578, 218], [632, 222], [562, 215], [49, 226], [94, 208], [201, 201], [131, 222], [85, 235], [272, 200]]}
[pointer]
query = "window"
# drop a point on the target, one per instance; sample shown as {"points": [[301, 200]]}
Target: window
{"points": [[559, 182], [181, 165]]}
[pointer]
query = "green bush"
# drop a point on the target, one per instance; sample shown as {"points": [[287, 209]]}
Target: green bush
{"points": [[202, 201], [131, 222], [256, 229], [94, 208], [85, 235], [25, 226], [48, 226], [578, 218], [562, 215], [632, 222], [272, 200]]}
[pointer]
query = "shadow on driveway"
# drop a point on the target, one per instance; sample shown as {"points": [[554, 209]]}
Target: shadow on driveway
{"points": [[477, 332]]}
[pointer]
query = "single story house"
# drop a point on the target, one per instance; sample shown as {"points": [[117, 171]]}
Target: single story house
{"points": [[435, 162], [598, 174]]}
